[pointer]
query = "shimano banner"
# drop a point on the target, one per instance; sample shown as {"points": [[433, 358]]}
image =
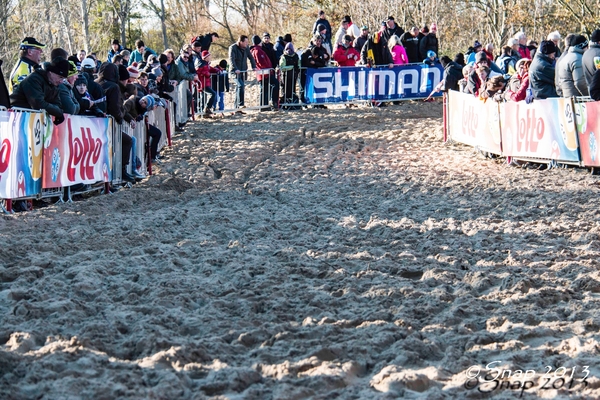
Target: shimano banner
{"points": [[342, 84]]}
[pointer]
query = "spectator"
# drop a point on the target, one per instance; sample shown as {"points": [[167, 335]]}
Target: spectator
{"points": [[181, 72], [477, 47], [542, 72], [589, 68], [506, 62], [134, 73], [204, 72], [142, 84], [118, 59], [69, 102], [532, 45], [239, 55], [459, 58], [571, 77], [206, 40], [30, 57], [452, 74], [594, 87], [108, 79], [352, 29], [322, 20], [523, 50], [568, 41], [493, 88], [87, 106], [268, 48], [126, 56], [514, 45], [481, 68], [81, 56], [289, 64], [555, 37], [360, 41], [519, 82], [88, 68], [325, 45], [463, 84], [429, 42], [315, 56], [144, 104], [489, 51], [392, 29], [39, 90], [279, 48], [346, 55], [269, 88], [410, 41], [341, 32], [196, 54], [431, 59], [375, 52], [397, 50], [138, 54], [220, 84], [115, 48]]}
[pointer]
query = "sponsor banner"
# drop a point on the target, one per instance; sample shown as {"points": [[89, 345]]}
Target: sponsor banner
{"points": [[587, 116], [78, 151], [21, 144], [342, 84], [473, 122], [543, 129]]}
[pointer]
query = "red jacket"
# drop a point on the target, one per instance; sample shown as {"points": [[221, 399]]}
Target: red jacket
{"points": [[262, 61], [204, 71], [346, 57]]}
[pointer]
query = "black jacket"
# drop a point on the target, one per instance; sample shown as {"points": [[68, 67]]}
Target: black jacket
{"points": [[270, 50], [108, 79], [327, 25], [411, 45], [37, 93], [429, 42], [4, 99], [595, 86], [375, 51], [95, 91], [388, 33], [316, 55], [452, 74]]}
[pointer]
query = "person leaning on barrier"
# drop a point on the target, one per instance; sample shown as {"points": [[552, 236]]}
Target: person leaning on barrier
{"points": [[220, 83], [346, 55], [69, 102], [180, 72], [410, 41], [571, 77], [463, 84], [516, 90], [397, 51], [542, 71], [452, 74], [30, 57], [39, 91], [269, 89], [289, 65], [589, 68], [375, 52], [239, 55], [108, 79], [204, 72]]}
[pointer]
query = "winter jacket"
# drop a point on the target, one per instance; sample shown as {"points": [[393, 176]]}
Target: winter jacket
{"points": [[375, 51], [238, 59], [289, 63], [452, 74], [571, 77], [327, 26], [4, 99], [270, 50], [112, 53], [204, 72], [429, 42], [180, 71], [219, 81], [339, 37], [541, 77], [263, 62], [279, 48], [389, 32], [589, 68], [516, 90], [314, 57], [95, 91], [84, 105], [524, 51], [399, 55], [359, 42], [70, 105], [36, 92], [411, 46], [595, 86], [108, 78], [346, 56], [507, 64]]}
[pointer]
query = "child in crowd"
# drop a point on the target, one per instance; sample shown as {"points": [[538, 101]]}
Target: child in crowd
{"points": [[220, 84], [431, 59], [87, 105]]}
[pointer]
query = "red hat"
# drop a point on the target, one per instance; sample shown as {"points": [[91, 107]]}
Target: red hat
{"points": [[134, 72], [205, 54]]}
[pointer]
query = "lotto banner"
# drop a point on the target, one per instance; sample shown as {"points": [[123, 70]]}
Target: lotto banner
{"points": [[473, 122], [543, 129], [587, 116], [21, 143], [342, 84], [78, 151]]}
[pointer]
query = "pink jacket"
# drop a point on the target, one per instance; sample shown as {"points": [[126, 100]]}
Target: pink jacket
{"points": [[399, 55]]}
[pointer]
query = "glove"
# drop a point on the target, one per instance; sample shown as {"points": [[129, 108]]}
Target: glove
{"points": [[529, 95], [59, 119], [139, 118]]}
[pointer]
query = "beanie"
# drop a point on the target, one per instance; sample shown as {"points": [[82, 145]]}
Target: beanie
{"points": [[59, 66], [123, 73], [72, 69], [205, 54], [149, 102], [289, 49], [287, 38], [256, 40], [134, 72], [547, 47], [81, 80]]}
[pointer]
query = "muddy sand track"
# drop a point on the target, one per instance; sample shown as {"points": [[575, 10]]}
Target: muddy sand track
{"points": [[321, 254]]}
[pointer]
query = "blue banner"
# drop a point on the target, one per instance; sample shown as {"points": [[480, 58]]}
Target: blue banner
{"points": [[341, 84]]}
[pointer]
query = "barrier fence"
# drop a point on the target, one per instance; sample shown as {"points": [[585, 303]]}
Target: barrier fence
{"points": [[39, 159], [555, 130]]}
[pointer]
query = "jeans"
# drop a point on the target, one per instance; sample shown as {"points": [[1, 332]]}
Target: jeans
{"points": [[208, 95], [240, 84]]}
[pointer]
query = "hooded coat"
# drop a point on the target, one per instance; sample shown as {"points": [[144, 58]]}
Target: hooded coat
{"points": [[571, 77], [108, 79], [541, 76]]}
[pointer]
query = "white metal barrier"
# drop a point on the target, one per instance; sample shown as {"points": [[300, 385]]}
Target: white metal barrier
{"points": [[139, 133]]}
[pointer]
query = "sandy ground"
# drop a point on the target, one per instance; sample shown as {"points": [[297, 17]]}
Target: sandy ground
{"points": [[311, 254]]}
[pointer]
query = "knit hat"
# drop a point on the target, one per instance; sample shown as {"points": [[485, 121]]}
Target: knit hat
{"points": [[31, 43], [430, 54], [88, 63], [266, 35], [477, 44], [157, 72], [205, 54], [134, 72], [81, 80], [346, 19], [256, 40], [223, 64], [595, 36], [320, 27], [287, 38], [123, 73], [72, 69], [547, 47], [149, 101], [289, 49], [59, 66]]}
